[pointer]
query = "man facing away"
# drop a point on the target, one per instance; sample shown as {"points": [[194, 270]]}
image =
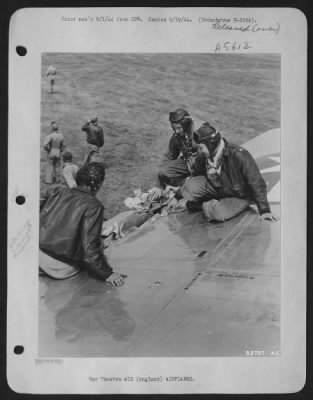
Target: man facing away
{"points": [[51, 75], [69, 170], [70, 228], [94, 134], [54, 146], [225, 177]]}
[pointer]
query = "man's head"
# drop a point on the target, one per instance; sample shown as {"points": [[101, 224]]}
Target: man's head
{"points": [[92, 176], [208, 136], [54, 126], [181, 121], [67, 156], [94, 120]]}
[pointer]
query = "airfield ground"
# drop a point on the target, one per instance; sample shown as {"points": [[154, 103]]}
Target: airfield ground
{"points": [[132, 95]]}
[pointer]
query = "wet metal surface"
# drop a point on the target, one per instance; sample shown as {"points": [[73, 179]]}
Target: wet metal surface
{"points": [[193, 288], [173, 303]]}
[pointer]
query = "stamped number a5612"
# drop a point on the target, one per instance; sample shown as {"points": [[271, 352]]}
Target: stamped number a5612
{"points": [[231, 46]]}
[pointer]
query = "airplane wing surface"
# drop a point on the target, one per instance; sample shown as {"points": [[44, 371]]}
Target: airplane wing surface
{"points": [[193, 288]]}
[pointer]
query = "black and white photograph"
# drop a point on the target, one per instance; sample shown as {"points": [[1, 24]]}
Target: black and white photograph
{"points": [[154, 245], [160, 205]]}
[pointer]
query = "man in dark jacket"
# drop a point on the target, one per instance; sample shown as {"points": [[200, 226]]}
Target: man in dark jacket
{"points": [[223, 173], [70, 229], [177, 162], [94, 133]]}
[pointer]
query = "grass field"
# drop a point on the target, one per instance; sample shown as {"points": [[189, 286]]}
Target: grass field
{"points": [[132, 94]]}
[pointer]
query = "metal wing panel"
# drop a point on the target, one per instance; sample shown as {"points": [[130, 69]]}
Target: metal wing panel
{"points": [[193, 288]]}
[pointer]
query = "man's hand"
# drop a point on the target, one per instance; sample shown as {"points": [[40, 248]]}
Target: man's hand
{"points": [[155, 194], [172, 204], [115, 279], [268, 217]]}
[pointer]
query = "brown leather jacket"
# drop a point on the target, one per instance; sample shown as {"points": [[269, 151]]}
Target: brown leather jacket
{"points": [[70, 229], [240, 176]]}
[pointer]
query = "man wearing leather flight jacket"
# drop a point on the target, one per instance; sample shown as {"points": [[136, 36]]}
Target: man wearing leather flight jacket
{"points": [[223, 171], [94, 134], [70, 229]]}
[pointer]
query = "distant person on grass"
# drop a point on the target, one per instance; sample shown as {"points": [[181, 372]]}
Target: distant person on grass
{"points": [[70, 228], [51, 75], [69, 169], [177, 162], [94, 134], [225, 178], [54, 146]]}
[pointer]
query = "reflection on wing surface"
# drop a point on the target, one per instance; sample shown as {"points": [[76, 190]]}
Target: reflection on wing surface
{"points": [[193, 289]]}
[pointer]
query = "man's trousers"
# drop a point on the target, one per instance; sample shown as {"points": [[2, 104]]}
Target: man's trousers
{"points": [[173, 172], [201, 195], [53, 170]]}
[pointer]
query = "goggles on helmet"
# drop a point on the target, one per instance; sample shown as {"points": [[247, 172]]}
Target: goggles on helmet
{"points": [[207, 135]]}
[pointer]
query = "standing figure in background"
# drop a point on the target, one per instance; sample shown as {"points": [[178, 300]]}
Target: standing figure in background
{"points": [[54, 146], [94, 136], [69, 170], [51, 75]]}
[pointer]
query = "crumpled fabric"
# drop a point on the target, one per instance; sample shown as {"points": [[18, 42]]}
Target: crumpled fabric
{"points": [[113, 230], [143, 209], [117, 229], [142, 201], [137, 202]]}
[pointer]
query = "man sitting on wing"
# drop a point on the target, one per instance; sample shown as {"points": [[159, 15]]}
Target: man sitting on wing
{"points": [[177, 162], [70, 229], [225, 178]]}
